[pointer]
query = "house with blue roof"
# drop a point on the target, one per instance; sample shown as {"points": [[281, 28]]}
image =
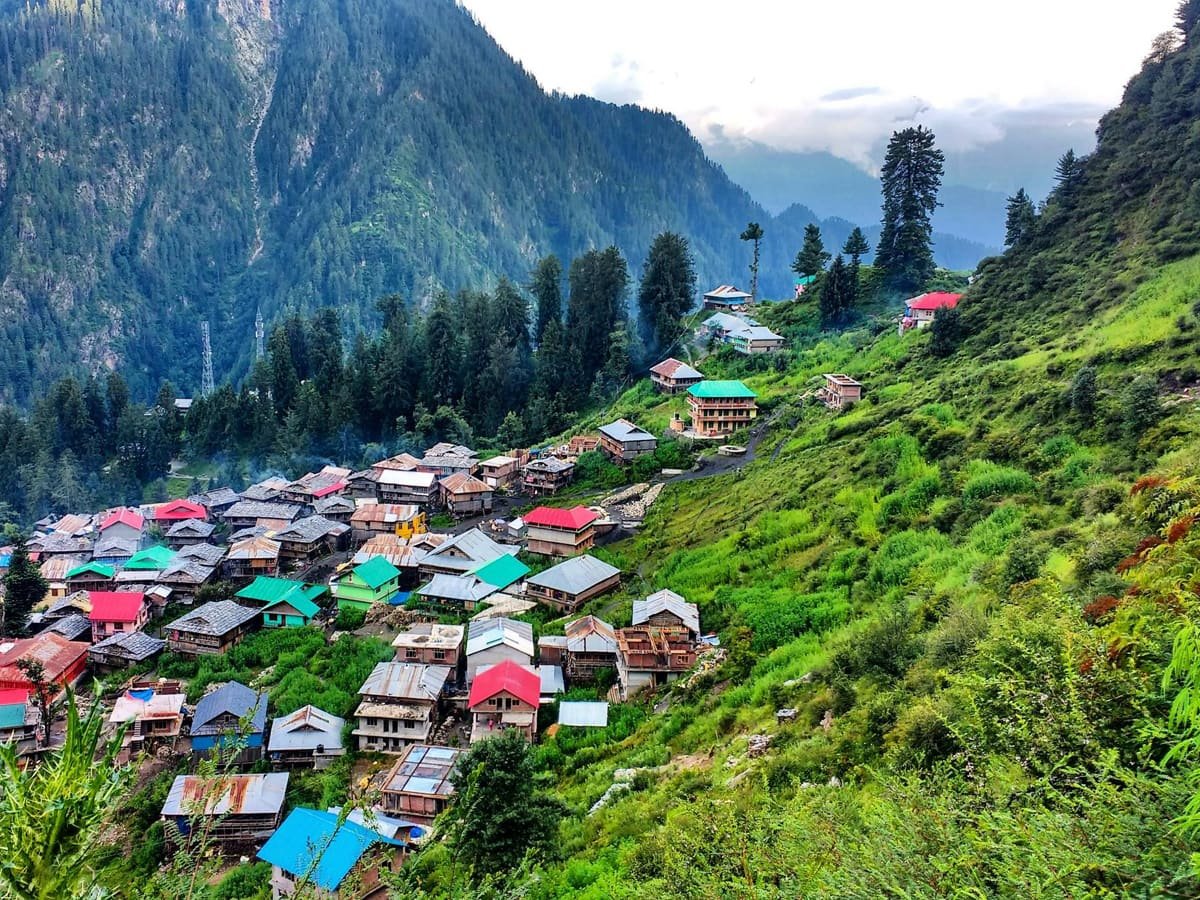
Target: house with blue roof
{"points": [[336, 856], [232, 715]]}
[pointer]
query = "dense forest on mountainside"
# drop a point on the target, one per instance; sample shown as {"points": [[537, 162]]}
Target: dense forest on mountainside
{"points": [[166, 164]]}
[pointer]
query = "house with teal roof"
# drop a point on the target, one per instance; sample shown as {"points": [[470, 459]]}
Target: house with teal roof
{"points": [[152, 559], [284, 603], [371, 582], [91, 576], [318, 850], [501, 572]]}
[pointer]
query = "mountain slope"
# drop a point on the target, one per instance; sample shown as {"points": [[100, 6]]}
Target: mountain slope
{"points": [[163, 164]]}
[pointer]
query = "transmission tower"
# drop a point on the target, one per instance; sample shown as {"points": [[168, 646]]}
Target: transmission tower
{"points": [[207, 385], [258, 335]]}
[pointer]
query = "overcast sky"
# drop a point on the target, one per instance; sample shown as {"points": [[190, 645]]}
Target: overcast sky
{"points": [[838, 76]]}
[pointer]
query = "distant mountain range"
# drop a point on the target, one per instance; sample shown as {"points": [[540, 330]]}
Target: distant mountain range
{"points": [[167, 164]]}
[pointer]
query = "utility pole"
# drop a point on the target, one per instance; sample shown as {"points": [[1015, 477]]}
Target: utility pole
{"points": [[207, 385]]}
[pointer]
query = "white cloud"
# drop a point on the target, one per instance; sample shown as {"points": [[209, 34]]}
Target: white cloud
{"points": [[835, 76]]}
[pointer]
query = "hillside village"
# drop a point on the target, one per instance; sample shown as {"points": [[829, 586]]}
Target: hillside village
{"points": [[493, 620]]}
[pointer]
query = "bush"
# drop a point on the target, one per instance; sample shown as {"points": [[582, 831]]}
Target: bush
{"points": [[349, 619], [988, 481]]}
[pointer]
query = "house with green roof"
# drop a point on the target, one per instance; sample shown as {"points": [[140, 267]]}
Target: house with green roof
{"points": [[719, 408], [501, 572], [152, 559], [91, 576], [284, 603], [371, 582]]}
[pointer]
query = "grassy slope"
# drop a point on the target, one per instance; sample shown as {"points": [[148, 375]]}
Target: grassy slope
{"points": [[823, 558]]}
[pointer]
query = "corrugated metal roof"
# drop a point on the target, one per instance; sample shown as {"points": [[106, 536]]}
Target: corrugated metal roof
{"points": [[572, 519], [715, 390], [406, 681], [590, 635], [575, 575], [483, 634], [624, 430], [460, 588], [254, 548], [583, 714], [502, 571], [552, 680], [521, 681], [315, 844], [666, 601], [306, 729], [376, 572], [229, 794], [462, 483]]}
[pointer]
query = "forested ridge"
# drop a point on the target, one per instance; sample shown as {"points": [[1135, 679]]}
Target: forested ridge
{"points": [[166, 164]]}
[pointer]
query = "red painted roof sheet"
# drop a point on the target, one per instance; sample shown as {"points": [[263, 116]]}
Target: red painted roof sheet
{"points": [[115, 606], [13, 696], [520, 681], [56, 654], [126, 516], [328, 489], [178, 510], [572, 519], [935, 300]]}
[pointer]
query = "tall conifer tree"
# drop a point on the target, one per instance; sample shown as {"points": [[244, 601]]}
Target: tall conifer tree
{"points": [[910, 178]]}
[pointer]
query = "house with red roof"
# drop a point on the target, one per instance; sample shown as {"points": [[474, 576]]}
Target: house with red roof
{"points": [[62, 661], [919, 311], [178, 511], [504, 696], [123, 523], [117, 612], [561, 532]]}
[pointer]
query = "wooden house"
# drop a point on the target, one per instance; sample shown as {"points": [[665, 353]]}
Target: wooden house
{"points": [[590, 647], [371, 582], [252, 557], [726, 297], [315, 486], [399, 705], [446, 459], [419, 787], [308, 738], [582, 443], [560, 532], [504, 696], [571, 583], [622, 441], [248, 513], [216, 501], [401, 519], [54, 569], [91, 576], [720, 408], [463, 553], [500, 472], [146, 565], [667, 609], [547, 475], [211, 628], [839, 391], [114, 548], [122, 650], [283, 603], [232, 715], [191, 568], [62, 661], [166, 514], [742, 333], [189, 531], [335, 507], [402, 486], [673, 377], [465, 495], [234, 811], [310, 538], [117, 612]]}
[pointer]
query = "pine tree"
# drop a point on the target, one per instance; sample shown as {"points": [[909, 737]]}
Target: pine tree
{"points": [[1019, 219], [910, 178], [1083, 393], [284, 379], [753, 233], [835, 299], [666, 292], [599, 280], [545, 283], [1066, 176], [856, 247], [813, 256], [23, 586], [443, 357], [1187, 17]]}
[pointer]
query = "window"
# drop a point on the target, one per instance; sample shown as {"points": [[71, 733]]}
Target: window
{"points": [[410, 653], [439, 654]]}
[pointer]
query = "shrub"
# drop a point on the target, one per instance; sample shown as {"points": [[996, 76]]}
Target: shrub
{"points": [[349, 619], [988, 481]]}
